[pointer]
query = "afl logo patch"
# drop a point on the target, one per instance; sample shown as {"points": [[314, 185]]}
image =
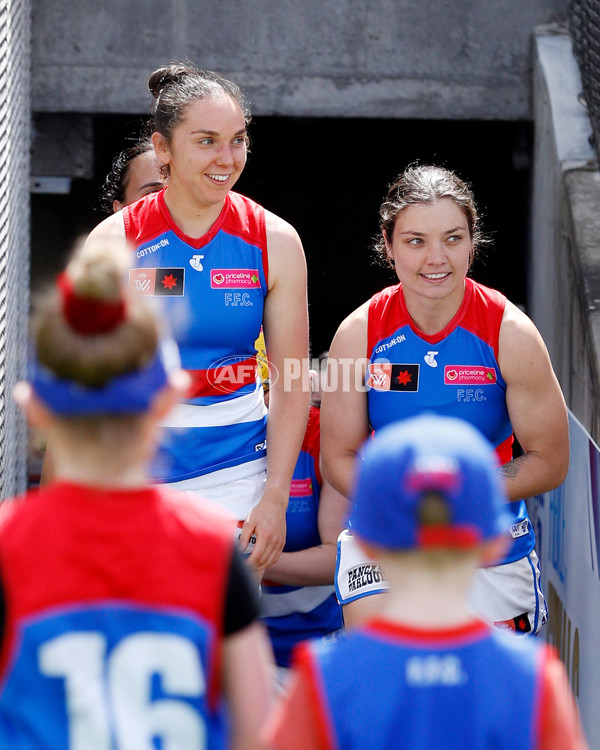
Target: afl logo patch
{"points": [[391, 377]]}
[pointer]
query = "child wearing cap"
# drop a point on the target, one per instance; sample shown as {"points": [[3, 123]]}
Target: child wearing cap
{"points": [[127, 617], [429, 504]]}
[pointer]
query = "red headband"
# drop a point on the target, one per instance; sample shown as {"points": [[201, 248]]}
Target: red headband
{"points": [[86, 315]]}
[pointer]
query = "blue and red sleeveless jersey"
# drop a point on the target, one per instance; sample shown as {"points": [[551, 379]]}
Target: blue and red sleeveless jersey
{"points": [[453, 373], [295, 613], [114, 620], [211, 291], [463, 688]]}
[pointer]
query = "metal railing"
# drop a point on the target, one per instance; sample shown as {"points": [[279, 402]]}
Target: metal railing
{"points": [[584, 29], [15, 117]]}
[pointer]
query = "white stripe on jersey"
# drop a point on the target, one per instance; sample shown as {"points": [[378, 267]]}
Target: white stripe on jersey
{"points": [[247, 408]]}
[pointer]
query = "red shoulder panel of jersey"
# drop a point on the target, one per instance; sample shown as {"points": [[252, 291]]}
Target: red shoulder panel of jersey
{"points": [[385, 315], [483, 316], [246, 219], [80, 544], [144, 219], [312, 439]]}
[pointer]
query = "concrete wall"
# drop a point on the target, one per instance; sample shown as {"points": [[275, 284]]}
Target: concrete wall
{"points": [[450, 59], [565, 304], [564, 279]]}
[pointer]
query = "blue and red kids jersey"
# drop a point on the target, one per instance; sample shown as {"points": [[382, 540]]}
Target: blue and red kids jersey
{"points": [[211, 291], [392, 686], [114, 615]]}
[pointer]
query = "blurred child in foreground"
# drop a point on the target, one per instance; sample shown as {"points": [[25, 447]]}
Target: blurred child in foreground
{"points": [[428, 503], [126, 614]]}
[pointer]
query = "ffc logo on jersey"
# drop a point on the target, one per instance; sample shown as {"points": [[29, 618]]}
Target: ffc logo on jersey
{"points": [[390, 377], [234, 278], [157, 282], [469, 375]]}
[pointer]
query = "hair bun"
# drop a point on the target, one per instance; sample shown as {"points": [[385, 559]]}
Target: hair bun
{"points": [[87, 315], [92, 290], [165, 76]]}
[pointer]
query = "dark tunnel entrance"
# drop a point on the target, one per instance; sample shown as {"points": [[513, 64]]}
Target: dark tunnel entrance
{"points": [[327, 177]]}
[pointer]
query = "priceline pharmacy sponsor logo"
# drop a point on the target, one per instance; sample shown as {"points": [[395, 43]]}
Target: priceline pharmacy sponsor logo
{"points": [[469, 375], [234, 278]]}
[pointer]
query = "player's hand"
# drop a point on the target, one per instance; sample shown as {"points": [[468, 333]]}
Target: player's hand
{"points": [[266, 522]]}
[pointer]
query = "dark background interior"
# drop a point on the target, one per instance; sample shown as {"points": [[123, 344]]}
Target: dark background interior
{"points": [[327, 177]]}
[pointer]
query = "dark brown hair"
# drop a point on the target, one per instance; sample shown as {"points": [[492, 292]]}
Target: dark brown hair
{"points": [[177, 85], [116, 181], [425, 184]]}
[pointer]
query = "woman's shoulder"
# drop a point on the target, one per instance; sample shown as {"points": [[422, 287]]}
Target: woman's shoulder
{"points": [[276, 226], [112, 227], [515, 321], [286, 253], [279, 228], [350, 339], [519, 340]]}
